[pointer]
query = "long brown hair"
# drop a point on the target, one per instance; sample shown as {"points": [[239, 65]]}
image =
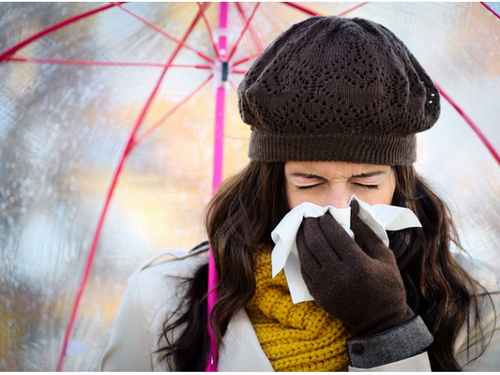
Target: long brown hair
{"points": [[241, 217]]}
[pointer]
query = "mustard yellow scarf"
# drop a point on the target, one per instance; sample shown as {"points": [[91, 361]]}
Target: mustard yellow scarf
{"points": [[295, 337]]}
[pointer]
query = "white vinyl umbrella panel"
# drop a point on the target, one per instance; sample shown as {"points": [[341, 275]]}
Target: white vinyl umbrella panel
{"points": [[63, 128]]}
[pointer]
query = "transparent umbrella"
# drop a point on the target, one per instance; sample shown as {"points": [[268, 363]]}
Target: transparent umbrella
{"points": [[107, 116]]}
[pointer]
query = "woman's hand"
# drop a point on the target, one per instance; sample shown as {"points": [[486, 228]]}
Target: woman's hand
{"points": [[356, 282]]}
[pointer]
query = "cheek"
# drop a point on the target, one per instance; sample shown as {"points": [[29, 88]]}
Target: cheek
{"points": [[380, 196], [383, 195], [391, 189], [295, 197], [290, 198]]}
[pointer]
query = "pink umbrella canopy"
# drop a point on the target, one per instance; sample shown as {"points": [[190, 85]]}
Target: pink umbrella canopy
{"points": [[111, 133]]}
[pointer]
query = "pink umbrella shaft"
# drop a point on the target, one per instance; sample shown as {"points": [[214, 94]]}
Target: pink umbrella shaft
{"points": [[217, 178], [212, 298], [218, 166]]}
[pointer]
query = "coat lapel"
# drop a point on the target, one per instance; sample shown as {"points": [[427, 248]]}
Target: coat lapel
{"points": [[241, 350]]}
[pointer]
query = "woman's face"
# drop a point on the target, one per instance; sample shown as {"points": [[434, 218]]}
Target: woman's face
{"points": [[332, 183]]}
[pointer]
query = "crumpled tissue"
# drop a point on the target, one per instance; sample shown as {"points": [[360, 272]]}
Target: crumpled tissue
{"points": [[379, 217]]}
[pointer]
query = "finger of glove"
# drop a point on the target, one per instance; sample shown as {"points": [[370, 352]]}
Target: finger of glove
{"points": [[369, 241], [313, 244], [307, 259], [339, 239], [354, 208], [307, 277]]}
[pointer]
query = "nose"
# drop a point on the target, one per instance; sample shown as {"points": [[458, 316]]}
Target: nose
{"points": [[338, 196]]}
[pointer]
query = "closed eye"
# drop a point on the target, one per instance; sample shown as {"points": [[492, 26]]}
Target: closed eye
{"points": [[360, 185], [368, 186], [306, 187]]}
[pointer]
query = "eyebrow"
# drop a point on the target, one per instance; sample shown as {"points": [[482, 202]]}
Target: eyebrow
{"points": [[316, 177], [369, 174], [307, 175]]}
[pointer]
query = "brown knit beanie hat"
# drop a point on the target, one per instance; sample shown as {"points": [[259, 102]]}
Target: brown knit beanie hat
{"points": [[337, 89]]}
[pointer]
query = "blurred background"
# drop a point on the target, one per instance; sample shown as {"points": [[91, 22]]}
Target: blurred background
{"points": [[64, 128]]}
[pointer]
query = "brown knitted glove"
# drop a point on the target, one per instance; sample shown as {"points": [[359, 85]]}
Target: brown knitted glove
{"points": [[356, 282]]}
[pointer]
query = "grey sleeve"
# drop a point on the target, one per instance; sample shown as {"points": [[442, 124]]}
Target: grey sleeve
{"points": [[398, 343]]}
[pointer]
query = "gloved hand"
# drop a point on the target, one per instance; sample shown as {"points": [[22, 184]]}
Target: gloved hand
{"points": [[357, 281]]}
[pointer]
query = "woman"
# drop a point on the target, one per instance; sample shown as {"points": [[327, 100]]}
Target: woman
{"points": [[334, 105]]}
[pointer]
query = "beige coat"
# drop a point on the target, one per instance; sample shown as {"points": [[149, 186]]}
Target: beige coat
{"points": [[151, 294]]}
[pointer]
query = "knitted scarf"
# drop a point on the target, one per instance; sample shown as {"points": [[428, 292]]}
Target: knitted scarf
{"points": [[294, 337]]}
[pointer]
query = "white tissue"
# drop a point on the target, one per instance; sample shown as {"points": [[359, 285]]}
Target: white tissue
{"points": [[379, 218]]}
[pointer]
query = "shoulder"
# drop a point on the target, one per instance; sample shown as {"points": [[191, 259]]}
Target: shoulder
{"points": [[159, 279], [155, 292], [152, 294], [172, 263]]}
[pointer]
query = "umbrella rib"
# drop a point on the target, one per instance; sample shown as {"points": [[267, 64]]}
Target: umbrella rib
{"points": [[243, 32], [351, 9], [209, 30], [239, 71], [314, 13], [156, 28], [245, 59], [302, 8], [233, 85], [255, 37], [90, 257], [472, 125], [257, 42], [170, 113], [52, 28], [102, 63], [490, 9]]}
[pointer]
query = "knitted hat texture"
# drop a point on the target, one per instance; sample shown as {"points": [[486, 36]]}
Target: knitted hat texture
{"points": [[337, 89]]}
